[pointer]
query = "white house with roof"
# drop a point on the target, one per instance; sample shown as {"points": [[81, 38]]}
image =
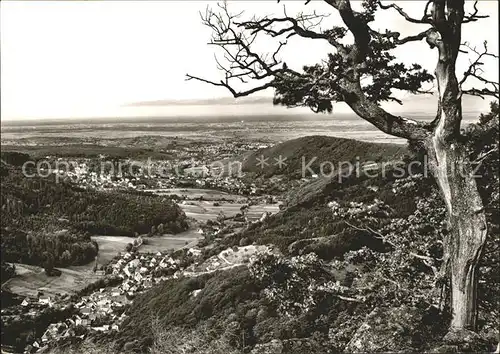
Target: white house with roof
{"points": [[45, 300]]}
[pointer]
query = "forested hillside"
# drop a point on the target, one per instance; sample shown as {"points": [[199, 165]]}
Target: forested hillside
{"points": [[314, 150], [47, 219]]}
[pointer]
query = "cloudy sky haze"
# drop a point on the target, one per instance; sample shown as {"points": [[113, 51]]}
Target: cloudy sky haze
{"points": [[84, 59]]}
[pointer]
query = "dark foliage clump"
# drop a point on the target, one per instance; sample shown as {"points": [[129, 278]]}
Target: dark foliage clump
{"points": [[228, 302]]}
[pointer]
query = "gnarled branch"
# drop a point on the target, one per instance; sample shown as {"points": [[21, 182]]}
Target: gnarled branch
{"points": [[424, 19], [394, 36], [244, 63], [235, 93], [474, 70], [472, 17]]}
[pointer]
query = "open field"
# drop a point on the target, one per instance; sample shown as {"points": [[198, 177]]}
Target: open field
{"points": [[31, 279], [195, 193], [165, 242], [204, 210], [110, 246]]}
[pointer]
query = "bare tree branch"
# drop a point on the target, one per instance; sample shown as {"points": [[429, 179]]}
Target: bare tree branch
{"points": [[481, 92], [394, 36], [352, 299], [424, 19], [233, 92], [302, 26], [428, 261], [244, 63], [474, 70], [484, 155], [472, 17]]}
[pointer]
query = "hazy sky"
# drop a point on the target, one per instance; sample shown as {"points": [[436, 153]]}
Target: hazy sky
{"points": [[75, 58]]}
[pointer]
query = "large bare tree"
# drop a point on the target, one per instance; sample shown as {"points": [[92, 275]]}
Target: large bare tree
{"points": [[362, 73]]}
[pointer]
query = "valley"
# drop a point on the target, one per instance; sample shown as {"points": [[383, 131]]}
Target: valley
{"points": [[262, 253], [36, 288]]}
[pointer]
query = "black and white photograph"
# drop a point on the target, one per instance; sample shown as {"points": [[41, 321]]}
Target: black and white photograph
{"points": [[250, 177]]}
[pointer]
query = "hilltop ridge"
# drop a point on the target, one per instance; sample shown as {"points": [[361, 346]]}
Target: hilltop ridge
{"points": [[310, 152]]}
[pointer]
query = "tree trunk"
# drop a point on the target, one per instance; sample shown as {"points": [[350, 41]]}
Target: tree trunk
{"points": [[467, 224], [450, 165]]}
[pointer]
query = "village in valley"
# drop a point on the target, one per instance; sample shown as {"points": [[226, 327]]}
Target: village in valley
{"points": [[195, 165], [101, 306]]}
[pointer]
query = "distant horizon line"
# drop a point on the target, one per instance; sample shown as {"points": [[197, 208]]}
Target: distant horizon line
{"points": [[230, 100], [224, 100], [420, 104], [80, 120], [467, 115]]}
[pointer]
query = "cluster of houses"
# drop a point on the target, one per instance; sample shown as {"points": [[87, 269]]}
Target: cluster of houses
{"points": [[41, 300], [139, 271], [103, 310], [229, 184], [100, 311], [229, 258], [194, 173], [29, 308], [217, 150]]}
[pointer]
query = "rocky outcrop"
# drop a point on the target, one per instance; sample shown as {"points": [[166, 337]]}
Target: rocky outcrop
{"points": [[387, 330], [273, 347], [459, 341], [291, 346], [411, 329]]}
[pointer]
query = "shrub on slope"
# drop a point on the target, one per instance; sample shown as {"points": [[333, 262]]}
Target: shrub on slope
{"points": [[307, 215], [228, 302]]}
